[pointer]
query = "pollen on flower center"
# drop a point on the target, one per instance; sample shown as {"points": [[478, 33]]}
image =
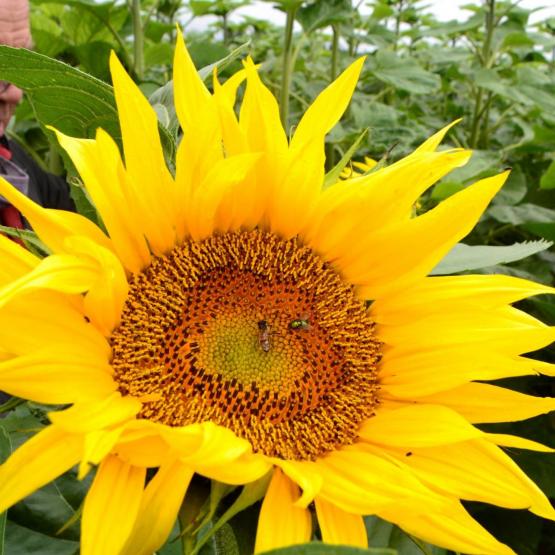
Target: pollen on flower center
{"points": [[254, 333]]}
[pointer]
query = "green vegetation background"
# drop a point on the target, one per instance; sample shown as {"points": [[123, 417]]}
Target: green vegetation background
{"points": [[493, 69]]}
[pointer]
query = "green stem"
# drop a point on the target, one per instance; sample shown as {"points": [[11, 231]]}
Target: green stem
{"points": [[225, 28], [330, 150], [138, 47], [334, 52], [398, 25], [486, 59], [287, 67], [191, 514]]}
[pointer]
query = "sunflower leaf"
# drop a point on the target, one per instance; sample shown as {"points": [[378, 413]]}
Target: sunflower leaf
{"points": [[88, 103], [465, 257], [21, 540]]}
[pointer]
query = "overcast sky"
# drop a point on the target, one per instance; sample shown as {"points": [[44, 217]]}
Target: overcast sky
{"points": [[443, 9]]}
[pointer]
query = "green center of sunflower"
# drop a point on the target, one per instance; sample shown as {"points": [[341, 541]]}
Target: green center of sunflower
{"points": [[254, 333]]}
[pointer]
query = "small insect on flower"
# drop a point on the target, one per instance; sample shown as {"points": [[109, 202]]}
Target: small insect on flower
{"points": [[264, 335], [301, 323]]}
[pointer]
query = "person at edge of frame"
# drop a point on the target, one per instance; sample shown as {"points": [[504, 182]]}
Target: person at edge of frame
{"points": [[16, 166]]}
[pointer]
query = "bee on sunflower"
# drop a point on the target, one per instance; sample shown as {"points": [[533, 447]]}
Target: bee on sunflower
{"points": [[221, 326]]}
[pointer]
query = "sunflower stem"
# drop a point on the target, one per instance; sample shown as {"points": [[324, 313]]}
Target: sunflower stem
{"points": [[486, 60], [330, 151], [191, 514], [138, 42], [287, 66]]}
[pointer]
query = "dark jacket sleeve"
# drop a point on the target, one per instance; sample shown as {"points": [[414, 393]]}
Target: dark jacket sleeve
{"points": [[46, 189]]}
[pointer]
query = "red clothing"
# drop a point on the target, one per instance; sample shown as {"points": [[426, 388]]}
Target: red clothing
{"points": [[9, 215]]}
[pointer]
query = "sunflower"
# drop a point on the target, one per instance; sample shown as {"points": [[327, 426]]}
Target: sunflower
{"points": [[221, 326]]}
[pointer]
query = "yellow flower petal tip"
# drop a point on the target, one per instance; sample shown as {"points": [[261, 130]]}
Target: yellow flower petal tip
{"points": [[221, 327]]}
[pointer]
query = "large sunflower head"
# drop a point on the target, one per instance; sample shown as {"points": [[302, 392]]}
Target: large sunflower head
{"points": [[221, 325]]}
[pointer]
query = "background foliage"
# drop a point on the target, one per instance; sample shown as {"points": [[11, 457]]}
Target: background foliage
{"points": [[493, 69]]}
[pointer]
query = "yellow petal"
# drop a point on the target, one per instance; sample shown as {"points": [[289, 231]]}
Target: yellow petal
{"points": [[38, 461], [228, 90], [362, 482], [111, 507], [107, 294], [16, 260], [104, 413], [306, 475], [150, 179], [452, 528], [434, 294], [281, 523], [507, 440], [503, 330], [47, 317], [327, 109], [294, 199], [57, 375], [480, 402], [351, 210], [159, 507], [216, 452], [415, 374], [417, 426], [53, 226], [340, 527], [410, 250], [259, 116], [223, 177], [474, 470], [60, 272], [99, 163], [190, 94], [141, 444], [233, 137], [97, 446], [429, 145]]}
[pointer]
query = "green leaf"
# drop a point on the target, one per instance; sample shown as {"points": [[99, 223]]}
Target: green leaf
{"points": [[318, 548], [24, 541], [445, 189], [482, 164], [404, 73], [45, 511], [523, 213], [545, 230], [206, 71], [514, 189], [465, 257], [5, 450], [72, 101], [66, 98], [547, 180], [491, 80], [321, 14], [517, 39], [333, 175]]}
